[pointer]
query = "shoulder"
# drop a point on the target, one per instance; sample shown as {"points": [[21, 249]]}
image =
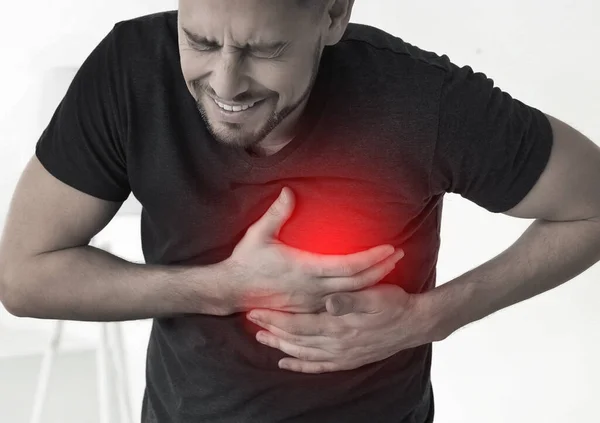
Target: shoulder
{"points": [[143, 52], [146, 37], [378, 68], [386, 50], [146, 24], [377, 55]]}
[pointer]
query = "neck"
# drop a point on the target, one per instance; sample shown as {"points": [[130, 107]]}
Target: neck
{"points": [[282, 135]]}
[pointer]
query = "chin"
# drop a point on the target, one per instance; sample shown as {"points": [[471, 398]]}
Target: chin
{"points": [[234, 137], [243, 134]]}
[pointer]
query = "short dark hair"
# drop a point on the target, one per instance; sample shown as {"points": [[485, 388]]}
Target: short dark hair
{"points": [[316, 5]]}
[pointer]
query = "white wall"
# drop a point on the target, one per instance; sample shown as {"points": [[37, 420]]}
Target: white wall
{"points": [[40, 42], [536, 361]]}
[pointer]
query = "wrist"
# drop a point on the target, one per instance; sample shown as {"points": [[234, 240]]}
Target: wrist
{"points": [[429, 320], [209, 290], [230, 287]]}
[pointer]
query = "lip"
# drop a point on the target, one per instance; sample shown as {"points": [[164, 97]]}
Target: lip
{"points": [[232, 105], [235, 117]]}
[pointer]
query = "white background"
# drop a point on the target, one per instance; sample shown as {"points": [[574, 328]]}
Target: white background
{"points": [[534, 362]]}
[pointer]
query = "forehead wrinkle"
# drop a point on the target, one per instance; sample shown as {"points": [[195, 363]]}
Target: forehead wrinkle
{"points": [[249, 35], [241, 27]]}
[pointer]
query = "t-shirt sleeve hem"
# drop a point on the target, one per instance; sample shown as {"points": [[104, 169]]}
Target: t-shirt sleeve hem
{"points": [[534, 168], [55, 170]]}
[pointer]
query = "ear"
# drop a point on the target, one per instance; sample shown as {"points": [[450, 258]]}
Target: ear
{"points": [[338, 15]]}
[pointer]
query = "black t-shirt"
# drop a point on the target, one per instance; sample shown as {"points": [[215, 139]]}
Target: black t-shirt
{"points": [[389, 129]]}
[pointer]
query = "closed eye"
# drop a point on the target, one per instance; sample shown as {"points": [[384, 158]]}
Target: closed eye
{"points": [[200, 43], [204, 46], [269, 50], [267, 53]]}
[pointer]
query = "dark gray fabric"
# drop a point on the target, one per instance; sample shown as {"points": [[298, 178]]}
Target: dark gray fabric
{"points": [[388, 130]]}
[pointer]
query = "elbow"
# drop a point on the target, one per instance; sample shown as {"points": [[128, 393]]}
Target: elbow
{"points": [[8, 296]]}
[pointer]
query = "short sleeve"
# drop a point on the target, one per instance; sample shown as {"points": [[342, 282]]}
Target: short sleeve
{"points": [[491, 148], [84, 143]]}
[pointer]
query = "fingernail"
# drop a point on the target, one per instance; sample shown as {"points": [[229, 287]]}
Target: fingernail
{"points": [[337, 304], [388, 251], [283, 196]]}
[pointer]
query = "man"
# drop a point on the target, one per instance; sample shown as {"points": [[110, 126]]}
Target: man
{"points": [[206, 116]]}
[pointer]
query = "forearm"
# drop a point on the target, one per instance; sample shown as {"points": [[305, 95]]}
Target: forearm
{"points": [[544, 257], [90, 284]]}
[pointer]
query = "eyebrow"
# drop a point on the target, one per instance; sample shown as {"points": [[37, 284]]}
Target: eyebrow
{"points": [[260, 46]]}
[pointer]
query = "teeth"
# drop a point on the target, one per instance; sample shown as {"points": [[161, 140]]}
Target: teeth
{"points": [[234, 108]]}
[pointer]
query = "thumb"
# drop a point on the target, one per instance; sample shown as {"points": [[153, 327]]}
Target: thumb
{"points": [[269, 225], [341, 304]]}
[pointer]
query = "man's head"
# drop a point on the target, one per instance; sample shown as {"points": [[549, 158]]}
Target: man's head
{"points": [[250, 64]]}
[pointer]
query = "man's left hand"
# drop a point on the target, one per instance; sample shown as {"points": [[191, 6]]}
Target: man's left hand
{"points": [[358, 328]]}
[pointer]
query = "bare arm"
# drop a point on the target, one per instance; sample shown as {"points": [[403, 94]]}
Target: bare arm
{"points": [[563, 242], [48, 270]]}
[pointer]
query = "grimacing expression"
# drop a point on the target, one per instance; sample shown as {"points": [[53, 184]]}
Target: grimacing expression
{"points": [[249, 64]]}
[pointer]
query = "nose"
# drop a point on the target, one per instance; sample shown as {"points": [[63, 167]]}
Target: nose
{"points": [[227, 79]]}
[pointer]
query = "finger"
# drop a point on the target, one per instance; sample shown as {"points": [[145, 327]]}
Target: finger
{"points": [[365, 278], [322, 265], [300, 352], [297, 324], [339, 305], [269, 225], [367, 301], [316, 341], [313, 367]]}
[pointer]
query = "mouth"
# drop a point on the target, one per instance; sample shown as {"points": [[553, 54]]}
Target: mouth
{"points": [[236, 112], [235, 108]]}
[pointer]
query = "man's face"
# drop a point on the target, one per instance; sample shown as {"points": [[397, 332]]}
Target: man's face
{"points": [[249, 64]]}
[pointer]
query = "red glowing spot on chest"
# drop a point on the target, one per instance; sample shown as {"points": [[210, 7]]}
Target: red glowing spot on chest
{"points": [[329, 228]]}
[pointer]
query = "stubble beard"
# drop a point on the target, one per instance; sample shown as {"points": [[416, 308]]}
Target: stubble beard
{"points": [[235, 137]]}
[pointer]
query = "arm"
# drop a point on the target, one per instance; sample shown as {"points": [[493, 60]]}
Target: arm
{"points": [[563, 242], [48, 270]]}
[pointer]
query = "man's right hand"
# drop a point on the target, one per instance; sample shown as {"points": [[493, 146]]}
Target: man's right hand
{"points": [[265, 273]]}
